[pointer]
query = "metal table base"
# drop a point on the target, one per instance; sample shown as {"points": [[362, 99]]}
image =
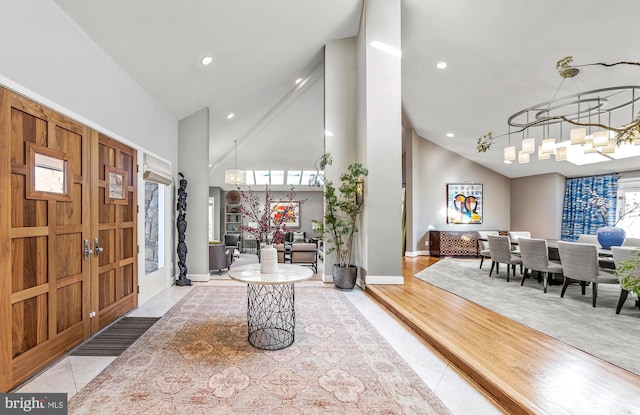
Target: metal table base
{"points": [[271, 316]]}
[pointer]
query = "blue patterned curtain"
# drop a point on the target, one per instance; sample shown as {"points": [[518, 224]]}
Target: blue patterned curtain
{"points": [[576, 217]]}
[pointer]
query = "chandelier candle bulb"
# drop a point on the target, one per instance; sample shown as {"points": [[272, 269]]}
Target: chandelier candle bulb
{"points": [[542, 155], [588, 147], [548, 145], [528, 145], [600, 139], [578, 135], [561, 154], [510, 153], [609, 148]]}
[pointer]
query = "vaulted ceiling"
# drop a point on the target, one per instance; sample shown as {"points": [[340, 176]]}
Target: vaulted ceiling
{"points": [[501, 57]]}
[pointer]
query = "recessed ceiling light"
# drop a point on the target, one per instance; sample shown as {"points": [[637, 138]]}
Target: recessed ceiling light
{"points": [[298, 81], [450, 135], [441, 65], [230, 116], [206, 60]]}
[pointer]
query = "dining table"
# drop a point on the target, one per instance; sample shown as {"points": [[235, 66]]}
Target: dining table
{"points": [[605, 257]]}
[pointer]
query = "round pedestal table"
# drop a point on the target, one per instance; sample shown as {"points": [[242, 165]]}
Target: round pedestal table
{"points": [[270, 303]]}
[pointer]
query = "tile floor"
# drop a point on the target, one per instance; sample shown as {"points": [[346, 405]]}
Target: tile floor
{"points": [[71, 373]]}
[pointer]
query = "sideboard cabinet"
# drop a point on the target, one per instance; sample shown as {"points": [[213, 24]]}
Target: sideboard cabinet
{"points": [[453, 243]]}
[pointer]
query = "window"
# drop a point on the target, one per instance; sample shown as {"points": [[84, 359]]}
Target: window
{"points": [[153, 227], [628, 199]]}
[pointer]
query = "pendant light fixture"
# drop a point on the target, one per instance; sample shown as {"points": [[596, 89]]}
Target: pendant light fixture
{"points": [[235, 176]]}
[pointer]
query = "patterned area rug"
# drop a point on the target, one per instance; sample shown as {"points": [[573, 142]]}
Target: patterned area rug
{"points": [[196, 360], [572, 320]]}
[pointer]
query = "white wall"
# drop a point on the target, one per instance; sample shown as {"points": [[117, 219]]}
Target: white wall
{"points": [[47, 57], [536, 205], [193, 162], [340, 108], [434, 167]]}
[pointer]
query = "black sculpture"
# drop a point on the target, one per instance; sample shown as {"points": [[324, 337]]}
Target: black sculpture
{"points": [[181, 223]]}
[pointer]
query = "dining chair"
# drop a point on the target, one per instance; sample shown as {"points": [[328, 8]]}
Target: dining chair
{"points": [[621, 254], [516, 235], [500, 249], [589, 239], [580, 263], [629, 241], [483, 245], [535, 257]]}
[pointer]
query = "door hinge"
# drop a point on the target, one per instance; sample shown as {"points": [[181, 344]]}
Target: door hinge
{"points": [[92, 314], [138, 289], [137, 168], [137, 208], [138, 248]]}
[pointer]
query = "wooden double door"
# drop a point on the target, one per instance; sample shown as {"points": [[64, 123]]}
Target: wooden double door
{"points": [[68, 244]]}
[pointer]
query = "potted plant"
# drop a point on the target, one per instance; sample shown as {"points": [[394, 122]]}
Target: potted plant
{"points": [[628, 272], [343, 205]]}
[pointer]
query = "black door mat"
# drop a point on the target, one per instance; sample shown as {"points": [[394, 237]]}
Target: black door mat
{"points": [[115, 339]]}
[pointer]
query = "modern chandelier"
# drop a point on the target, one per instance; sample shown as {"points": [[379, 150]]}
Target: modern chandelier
{"points": [[597, 121], [235, 176]]}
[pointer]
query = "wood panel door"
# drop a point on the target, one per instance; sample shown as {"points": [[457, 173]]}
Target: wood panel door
{"points": [[115, 202], [68, 243], [45, 219]]}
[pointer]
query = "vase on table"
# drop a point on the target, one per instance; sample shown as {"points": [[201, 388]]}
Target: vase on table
{"points": [[609, 236], [268, 260]]}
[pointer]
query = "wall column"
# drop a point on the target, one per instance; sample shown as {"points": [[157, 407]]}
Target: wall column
{"points": [[193, 163], [380, 142]]}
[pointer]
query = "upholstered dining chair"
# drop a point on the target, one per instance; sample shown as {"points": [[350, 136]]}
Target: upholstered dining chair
{"points": [[535, 257], [589, 239], [483, 245], [516, 235], [580, 263], [500, 249], [621, 254]]}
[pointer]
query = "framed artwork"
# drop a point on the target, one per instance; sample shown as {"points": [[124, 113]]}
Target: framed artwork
{"points": [[464, 203], [285, 212], [116, 185]]}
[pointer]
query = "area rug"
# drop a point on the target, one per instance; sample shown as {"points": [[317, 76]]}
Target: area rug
{"points": [[572, 319], [116, 338], [196, 360]]}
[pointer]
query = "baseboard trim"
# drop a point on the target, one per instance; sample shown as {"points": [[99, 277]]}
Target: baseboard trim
{"points": [[382, 279], [416, 253], [199, 277]]}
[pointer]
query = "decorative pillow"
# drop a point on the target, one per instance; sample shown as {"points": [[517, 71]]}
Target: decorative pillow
{"points": [[298, 236]]}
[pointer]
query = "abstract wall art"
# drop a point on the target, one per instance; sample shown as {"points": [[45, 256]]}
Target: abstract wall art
{"points": [[464, 203]]}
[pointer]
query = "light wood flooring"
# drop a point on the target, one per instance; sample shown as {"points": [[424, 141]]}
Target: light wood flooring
{"points": [[524, 371]]}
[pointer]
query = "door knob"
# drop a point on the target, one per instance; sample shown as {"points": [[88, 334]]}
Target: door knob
{"points": [[87, 251], [97, 247]]}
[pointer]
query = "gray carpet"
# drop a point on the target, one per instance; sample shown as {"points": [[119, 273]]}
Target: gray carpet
{"points": [[572, 320]]}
